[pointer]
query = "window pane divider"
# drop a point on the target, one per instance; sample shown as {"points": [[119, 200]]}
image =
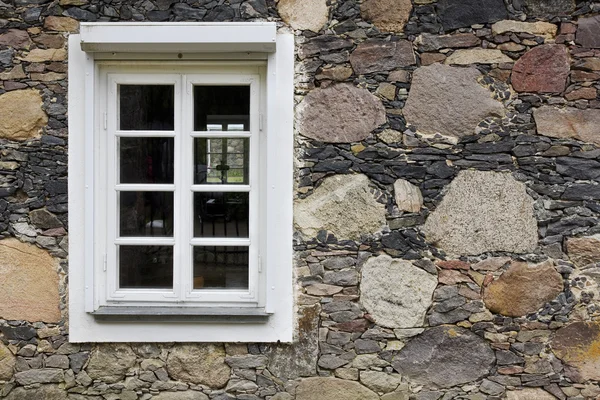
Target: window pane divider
{"points": [[146, 187], [147, 241], [145, 134], [221, 188], [221, 134], [220, 242]]}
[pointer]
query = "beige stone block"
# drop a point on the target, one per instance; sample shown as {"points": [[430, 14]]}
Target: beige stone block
{"points": [[477, 56], [309, 15], [15, 73], [61, 24], [22, 115], [539, 28], [28, 283], [43, 55], [387, 15]]}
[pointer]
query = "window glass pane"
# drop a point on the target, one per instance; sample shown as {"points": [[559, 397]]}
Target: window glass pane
{"points": [[146, 160], [145, 267], [146, 107], [146, 213], [221, 161], [221, 214], [217, 267], [221, 108]]}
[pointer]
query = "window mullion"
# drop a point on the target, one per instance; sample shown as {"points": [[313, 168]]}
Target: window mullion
{"points": [[183, 185]]}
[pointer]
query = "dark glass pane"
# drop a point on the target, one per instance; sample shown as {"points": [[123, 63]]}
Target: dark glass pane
{"points": [[221, 108], [219, 214], [218, 267], [146, 107], [221, 161], [146, 160], [145, 267], [146, 213]]}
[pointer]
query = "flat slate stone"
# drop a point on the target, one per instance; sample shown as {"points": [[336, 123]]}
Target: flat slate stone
{"points": [[434, 87], [430, 42], [395, 292], [332, 388], [340, 113], [483, 211], [577, 345], [568, 123], [548, 8], [387, 15], [431, 358], [529, 394], [543, 69], [382, 55], [588, 32], [464, 13], [523, 288]]}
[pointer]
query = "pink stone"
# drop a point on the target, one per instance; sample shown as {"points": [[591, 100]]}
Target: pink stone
{"points": [[543, 69]]}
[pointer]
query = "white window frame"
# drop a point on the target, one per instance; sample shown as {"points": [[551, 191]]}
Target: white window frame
{"points": [[98, 60]]}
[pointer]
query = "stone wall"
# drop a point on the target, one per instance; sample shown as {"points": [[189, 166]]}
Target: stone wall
{"points": [[454, 152]]}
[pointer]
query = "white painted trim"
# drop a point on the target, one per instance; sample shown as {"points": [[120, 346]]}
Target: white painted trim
{"points": [[178, 37], [278, 186]]}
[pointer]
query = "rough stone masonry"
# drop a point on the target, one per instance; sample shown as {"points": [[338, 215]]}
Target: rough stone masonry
{"points": [[447, 181]]}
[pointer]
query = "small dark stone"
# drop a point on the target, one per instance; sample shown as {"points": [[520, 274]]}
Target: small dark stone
{"points": [[395, 240], [581, 191], [548, 8], [18, 332], [458, 14], [578, 168]]}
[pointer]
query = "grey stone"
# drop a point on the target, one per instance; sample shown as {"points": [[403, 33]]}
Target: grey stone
{"points": [[491, 388], [110, 362], [366, 346], [329, 361], [434, 87], [200, 364], [187, 395], [429, 395], [380, 382], [483, 211], [44, 219], [342, 205], [379, 55], [44, 392], [450, 317], [568, 123], [529, 394], [340, 113], [431, 358], [588, 29], [430, 42], [342, 278], [246, 361], [464, 13], [300, 359], [57, 361], [338, 262], [332, 388], [548, 8], [43, 375], [505, 357], [450, 304], [395, 292]]}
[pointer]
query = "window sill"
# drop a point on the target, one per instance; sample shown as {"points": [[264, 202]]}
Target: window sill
{"points": [[187, 314]]}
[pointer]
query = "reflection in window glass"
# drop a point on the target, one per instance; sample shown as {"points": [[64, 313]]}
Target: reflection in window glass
{"points": [[146, 160], [146, 107], [221, 161], [220, 267], [221, 108], [221, 214], [146, 213], [147, 267]]}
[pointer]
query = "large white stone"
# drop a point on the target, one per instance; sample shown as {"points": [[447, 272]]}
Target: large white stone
{"points": [[304, 14], [435, 87], [343, 205], [483, 211], [396, 293]]}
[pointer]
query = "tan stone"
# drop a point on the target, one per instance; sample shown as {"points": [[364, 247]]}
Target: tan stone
{"points": [[387, 15], [200, 364], [578, 345], [7, 363], [483, 211], [408, 196], [337, 73], [477, 56], [304, 14], [584, 250], [588, 93], [72, 2], [390, 136], [529, 394], [54, 41], [523, 288], [568, 123], [15, 73], [48, 77], [22, 115], [511, 46], [61, 24], [28, 283], [43, 55], [342, 205], [110, 362], [387, 90], [539, 28], [332, 388]]}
